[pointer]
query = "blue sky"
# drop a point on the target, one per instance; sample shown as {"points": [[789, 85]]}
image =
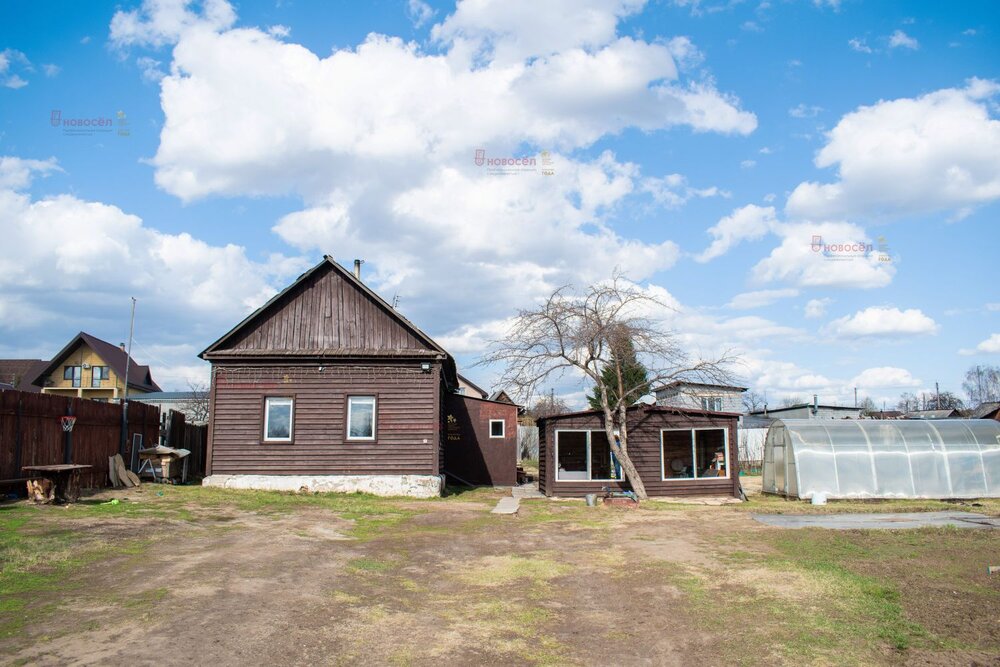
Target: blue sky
{"points": [[698, 146]]}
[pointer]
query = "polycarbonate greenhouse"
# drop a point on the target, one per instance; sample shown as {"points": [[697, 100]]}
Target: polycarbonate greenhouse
{"points": [[945, 458]]}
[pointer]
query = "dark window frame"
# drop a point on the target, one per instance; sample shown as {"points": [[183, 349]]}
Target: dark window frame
{"points": [[75, 374]]}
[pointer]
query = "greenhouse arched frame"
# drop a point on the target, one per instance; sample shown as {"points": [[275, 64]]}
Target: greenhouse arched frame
{"points": [[849, 458]]}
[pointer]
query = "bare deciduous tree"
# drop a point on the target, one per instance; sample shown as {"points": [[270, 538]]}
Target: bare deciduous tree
{"points": [[590, 331], [753, 401], [982, 384], [867, 406], [790, 401], [546, 406], [908, 402], [196, 407]]}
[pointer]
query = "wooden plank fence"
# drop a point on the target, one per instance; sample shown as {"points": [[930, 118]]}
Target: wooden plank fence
{"points": [[31, 433], [181, 435]]}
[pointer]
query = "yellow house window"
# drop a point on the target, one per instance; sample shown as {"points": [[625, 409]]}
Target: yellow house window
{"points": [[74, 373], [98, 373]]}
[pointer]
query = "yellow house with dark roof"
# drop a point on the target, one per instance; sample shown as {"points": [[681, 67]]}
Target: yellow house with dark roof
{"points": [[89, 367]]}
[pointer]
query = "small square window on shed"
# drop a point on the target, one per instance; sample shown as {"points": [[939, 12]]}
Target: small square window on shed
{"points": [[497, 427], [360, 417], [278, 419]]}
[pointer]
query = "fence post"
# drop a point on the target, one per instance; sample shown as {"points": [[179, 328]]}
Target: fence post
{"points": [[68, 437], [18, 436]]}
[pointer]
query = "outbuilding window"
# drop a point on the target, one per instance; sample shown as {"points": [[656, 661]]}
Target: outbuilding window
{"points": [[585, 456], [497, 428], [278, 415], [361, 417], [694, 453]]}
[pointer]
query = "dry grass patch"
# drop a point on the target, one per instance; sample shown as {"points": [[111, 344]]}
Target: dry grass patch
{"points": [[507, 569]]}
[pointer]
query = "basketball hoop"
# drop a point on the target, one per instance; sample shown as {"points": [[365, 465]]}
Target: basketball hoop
{"points": [[67, 423]]}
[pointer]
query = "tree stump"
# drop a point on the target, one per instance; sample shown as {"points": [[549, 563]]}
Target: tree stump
{"points": [[41, 490]]}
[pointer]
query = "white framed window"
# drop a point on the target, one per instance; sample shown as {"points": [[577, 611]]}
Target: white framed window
{"points": [[278, 416], [694, 453], [712, 403], [584, 456], [497, 428], [361, 417]]}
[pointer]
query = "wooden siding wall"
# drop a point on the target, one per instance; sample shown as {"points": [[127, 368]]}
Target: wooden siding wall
{"points": [[325, 312], [31, 434], [644, 448], [470, 453], [407, 421]]}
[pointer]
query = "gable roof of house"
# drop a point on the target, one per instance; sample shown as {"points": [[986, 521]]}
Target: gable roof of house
{"points": [[218, 349], [932, 414], [139, 376], [21, 373], [501, 396], [799, 406], [472, 384], [701, 385], [985, 409], [887, 414]]}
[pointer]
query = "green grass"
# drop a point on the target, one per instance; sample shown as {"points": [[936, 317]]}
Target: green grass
{"points": [[366, 564], [371, 514], [823, 596], [870, 607], [37, 558]]}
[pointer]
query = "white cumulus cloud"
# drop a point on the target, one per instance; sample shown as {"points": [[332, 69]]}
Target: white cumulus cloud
{"points": [[801, 260], [759, 298], [989, 346], [911, 155], [184, 285], [900, 40], [816, 308], [883, 321], [380, 139], [160, 22], [750, 222], [884, 377]]}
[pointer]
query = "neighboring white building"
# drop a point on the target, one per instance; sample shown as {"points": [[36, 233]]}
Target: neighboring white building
{"points": [[714, 397], [181, 401], [810, 411]]}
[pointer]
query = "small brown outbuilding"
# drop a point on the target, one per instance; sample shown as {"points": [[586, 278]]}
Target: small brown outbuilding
{"points": [[677, 451]]}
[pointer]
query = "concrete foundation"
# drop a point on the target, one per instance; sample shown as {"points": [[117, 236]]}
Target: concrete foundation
{"points": [[416, 486]]}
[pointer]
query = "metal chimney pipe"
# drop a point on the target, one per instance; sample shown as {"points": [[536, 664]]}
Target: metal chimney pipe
{"points": [[357, 268]]}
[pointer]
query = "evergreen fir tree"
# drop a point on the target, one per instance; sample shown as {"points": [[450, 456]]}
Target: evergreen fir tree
{"points": [[634, 374]]}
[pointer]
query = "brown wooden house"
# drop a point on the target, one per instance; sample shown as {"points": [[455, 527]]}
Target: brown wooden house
{"points": [[326, 387], [677, 452]]}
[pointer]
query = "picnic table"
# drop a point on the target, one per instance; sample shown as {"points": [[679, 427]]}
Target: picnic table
{"points": [[60, 482]]}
